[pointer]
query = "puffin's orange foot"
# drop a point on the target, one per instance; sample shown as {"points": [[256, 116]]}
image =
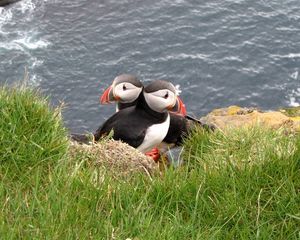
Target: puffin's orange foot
{"points": [[154, 154]]}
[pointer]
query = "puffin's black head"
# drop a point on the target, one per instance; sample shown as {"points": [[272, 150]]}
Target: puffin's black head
{"points": [[162, 96], [125, 89]]}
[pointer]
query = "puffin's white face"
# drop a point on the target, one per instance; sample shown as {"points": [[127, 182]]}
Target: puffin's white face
{"points": [[161, 100], [126, 92], [125, 88]]}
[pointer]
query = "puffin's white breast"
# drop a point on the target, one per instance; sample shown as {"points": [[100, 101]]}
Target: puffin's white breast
{"points": [[155, 134]]}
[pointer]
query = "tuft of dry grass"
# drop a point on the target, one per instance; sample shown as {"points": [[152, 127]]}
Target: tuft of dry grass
{"points": [[116, 156]]}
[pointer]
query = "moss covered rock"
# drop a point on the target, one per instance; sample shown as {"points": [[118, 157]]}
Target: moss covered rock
{"points": [[235, 116]]}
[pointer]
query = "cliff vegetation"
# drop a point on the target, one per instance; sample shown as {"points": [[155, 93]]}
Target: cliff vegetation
{"points": [[235, 183]]}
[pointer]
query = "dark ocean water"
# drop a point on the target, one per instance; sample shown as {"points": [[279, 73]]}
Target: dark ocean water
{"points": [[220, 52]]}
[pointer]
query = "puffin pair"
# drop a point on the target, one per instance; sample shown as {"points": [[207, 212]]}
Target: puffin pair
{"points": [[143, 119]]}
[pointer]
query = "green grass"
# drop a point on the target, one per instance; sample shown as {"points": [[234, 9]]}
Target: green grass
{"points": [[241, 184], [31, 133]]}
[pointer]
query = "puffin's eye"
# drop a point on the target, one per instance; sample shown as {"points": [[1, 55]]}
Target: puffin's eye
{"points": [[124, 87], [166, 95]]}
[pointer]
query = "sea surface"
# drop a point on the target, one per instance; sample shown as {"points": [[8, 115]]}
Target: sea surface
{"points": [[220, 52]]}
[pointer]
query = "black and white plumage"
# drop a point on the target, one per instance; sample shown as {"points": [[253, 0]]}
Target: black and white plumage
{"points": [[146, 124], [178, 123]]}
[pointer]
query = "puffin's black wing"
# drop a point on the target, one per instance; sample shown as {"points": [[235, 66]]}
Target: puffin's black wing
{"points": [[126, 125], [177, 130]]}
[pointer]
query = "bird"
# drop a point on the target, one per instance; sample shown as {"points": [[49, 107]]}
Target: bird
{"points": [[145, 124], [124, 90]]}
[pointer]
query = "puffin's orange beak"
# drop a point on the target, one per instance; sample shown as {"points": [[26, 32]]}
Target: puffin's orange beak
{"points": [[179, 107], [108, 96]]}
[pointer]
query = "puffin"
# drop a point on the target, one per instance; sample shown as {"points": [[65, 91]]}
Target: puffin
{"points": [[125, 90], [146, 123]]}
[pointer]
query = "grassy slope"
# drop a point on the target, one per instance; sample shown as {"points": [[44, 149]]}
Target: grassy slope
{"points": [[240, 184]]}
